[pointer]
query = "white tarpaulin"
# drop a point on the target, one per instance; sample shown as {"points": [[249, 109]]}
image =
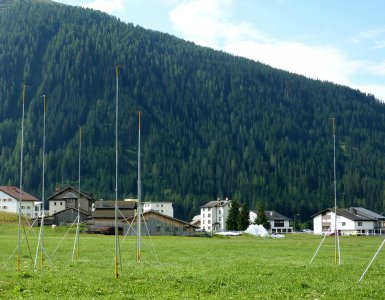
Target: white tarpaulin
{"points": [[257, 230]]}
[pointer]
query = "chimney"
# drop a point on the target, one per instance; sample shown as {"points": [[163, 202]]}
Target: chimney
{"points": [[271, 213], [57, 189]]}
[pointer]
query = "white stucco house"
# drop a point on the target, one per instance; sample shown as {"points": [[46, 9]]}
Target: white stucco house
{"points": [[353, 220], [214, 215], [165, 208], [278, 223], [10, 196]]}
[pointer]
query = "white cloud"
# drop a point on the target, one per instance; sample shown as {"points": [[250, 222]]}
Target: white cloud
{"points": [[107, 6], [372, 38], [318, 62], [374, 89], [208, 23]]}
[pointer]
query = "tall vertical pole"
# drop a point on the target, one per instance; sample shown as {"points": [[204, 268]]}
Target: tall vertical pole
{"points": [[76, 244], [43, 186], [21, 179], [41, 233], [139, 209], [337, 241], [80, 155], [116, 174]]}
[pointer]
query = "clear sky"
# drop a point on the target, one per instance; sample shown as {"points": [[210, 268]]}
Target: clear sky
{"points": [[341, 41]]}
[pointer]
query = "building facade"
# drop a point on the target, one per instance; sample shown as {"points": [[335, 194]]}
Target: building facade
{"points": [[348, 221], [278, 223], [214, 215], [155, 223], [10, 196], [165, 208], [69, 197]]}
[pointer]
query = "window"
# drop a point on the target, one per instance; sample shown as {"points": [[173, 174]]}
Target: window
{"points": [[167, 229], [23, 207], [5, 207], [209, 215], [61, 203], [161, 205], [219, 219], [359, 223], [203, 215], [28, 207], [279, 223], [203, 221], [54, 203], [220, 211], [158, 228], [343, 223], [209, 221]]}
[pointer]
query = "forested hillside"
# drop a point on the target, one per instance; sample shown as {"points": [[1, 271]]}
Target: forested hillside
{"points": [[213, 125]]}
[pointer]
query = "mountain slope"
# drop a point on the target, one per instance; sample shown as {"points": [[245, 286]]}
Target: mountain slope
{"points": [[213, 124]]}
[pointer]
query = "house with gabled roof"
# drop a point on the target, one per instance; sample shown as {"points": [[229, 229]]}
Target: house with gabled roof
{"points": [[69, 197], [278, 222], [10, 196], [353, 220]]}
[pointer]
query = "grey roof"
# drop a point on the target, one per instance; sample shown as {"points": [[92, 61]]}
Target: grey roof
{"points": [[168, 217], [75, 192], [273, 215], [87, 213], [70, 195], [346, 213], [216, 203], [111, 204], [366, 213], [350, 215]]}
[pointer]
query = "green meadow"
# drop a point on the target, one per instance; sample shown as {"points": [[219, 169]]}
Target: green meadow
{"points": [[244, 267]]}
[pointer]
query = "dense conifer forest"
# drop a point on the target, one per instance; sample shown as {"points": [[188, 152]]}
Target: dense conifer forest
{"points": [[213, 125]]}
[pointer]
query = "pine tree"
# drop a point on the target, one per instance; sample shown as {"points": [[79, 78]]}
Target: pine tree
{"points": [[262, 219], [231, 222], [243, 218]]}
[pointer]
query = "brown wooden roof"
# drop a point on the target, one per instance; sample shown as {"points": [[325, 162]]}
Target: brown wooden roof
{"points": [[16, 193]]}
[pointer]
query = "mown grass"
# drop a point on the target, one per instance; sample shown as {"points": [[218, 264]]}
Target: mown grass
{"points": [[243, 267]]}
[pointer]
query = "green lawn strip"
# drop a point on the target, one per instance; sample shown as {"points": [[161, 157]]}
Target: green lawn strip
{"points": [[244, 267]]}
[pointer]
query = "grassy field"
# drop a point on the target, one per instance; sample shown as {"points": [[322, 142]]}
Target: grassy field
{"points": [[244, 267]]}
